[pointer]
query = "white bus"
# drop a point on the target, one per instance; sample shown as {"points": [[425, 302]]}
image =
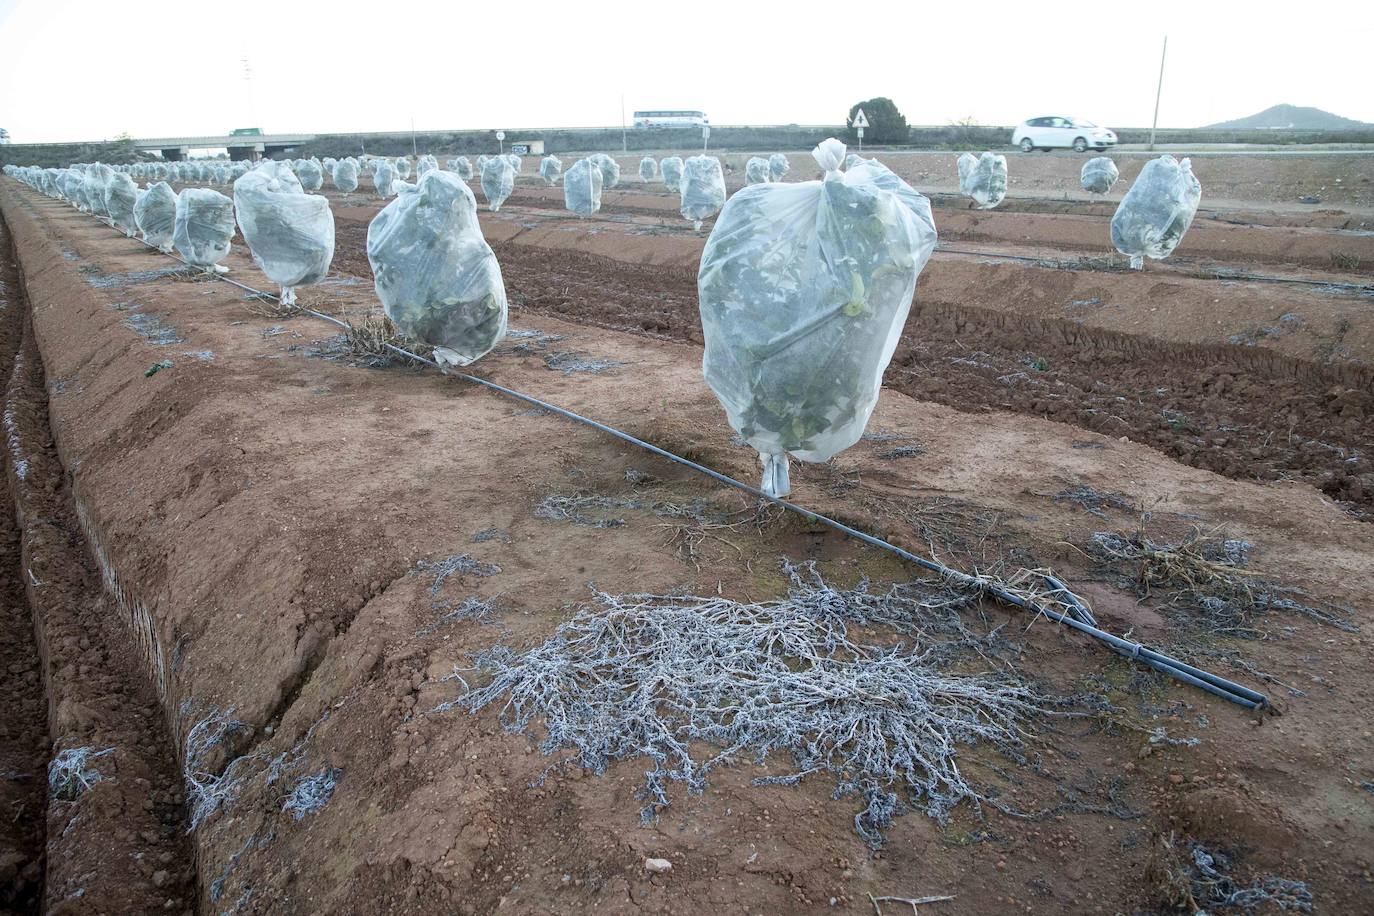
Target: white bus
{"points": [[671, 119]]}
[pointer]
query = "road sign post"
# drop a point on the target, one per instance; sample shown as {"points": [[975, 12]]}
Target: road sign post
{"points": [[705, 136], [501, 141], [860, 122]]}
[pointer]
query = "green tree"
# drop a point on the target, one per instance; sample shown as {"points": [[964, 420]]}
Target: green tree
{"points": [[885, 123]]}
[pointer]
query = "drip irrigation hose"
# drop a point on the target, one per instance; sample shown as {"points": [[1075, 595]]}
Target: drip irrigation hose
{"points": [[1079, 618]]}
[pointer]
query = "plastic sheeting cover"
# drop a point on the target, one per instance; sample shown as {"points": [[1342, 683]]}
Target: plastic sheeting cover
{"points": [[120, 196], [582, 188], [156, 215], [778, 166], [550, 167], [648, 169], [983, 179], [427, 163], [462, 167], [671, 170], [610, 169], [436, 276], [204, 226], [498, 180], [382, 177], [702, 188], [804, 289], [1157, 210], [756, 171], [402, 167], [345, 176], [289, 233], [311, 175], [1099, 174]]}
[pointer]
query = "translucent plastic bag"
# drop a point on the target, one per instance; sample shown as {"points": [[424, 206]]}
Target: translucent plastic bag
{"points": [[582, 188], [436, 276], [804, 289], [648, 169], [120, 196], [1098, 175], [516, 163], [983, 179], [550, 167], [702, 188], [311, 175], [345, 176], [461, 167], [204, 226], [1157, 210], [289, 233], [402, 166], [756, 171], [97, 180], [778, 166], [610, 169], [382, 177], [155, 213], [671, 170], [481, 163], [426, 163], [498, 180]]}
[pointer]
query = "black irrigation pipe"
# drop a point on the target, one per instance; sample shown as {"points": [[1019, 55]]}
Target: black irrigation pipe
{"points": [[1204, 680]]}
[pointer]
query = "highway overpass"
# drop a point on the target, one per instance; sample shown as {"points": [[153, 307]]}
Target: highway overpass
{"points": [[240, 146]]}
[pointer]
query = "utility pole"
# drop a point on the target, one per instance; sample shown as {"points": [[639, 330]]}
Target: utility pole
{"points": [[1158, 91], [413, 152], [624, 143]]}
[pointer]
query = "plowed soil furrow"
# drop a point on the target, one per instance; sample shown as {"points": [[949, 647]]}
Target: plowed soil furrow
{"points": [[116, 840], [1230, 410], [23, 721]]}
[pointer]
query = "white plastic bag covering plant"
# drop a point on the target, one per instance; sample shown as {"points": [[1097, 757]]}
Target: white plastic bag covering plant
{"points": [[311, 175], [671, 170], [516, 163], [382, 177], [648, 169], [853, 159], [482, 162], [778, 166], [804, 289], [156, 215], [204, 226], [345, 176], [498, 180], [97, 180], [550, 167], [426, 163], [1099, 174], [983, 179], [462, 167], [400, 187], [402, 166], [289, 233], [582, 188], [610, 169], [756, 171], [120, 196], [1157, 210], [436, 276], [702, 188]]}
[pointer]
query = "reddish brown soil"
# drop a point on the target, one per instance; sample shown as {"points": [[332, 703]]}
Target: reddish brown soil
{"points": [[269, 506]]}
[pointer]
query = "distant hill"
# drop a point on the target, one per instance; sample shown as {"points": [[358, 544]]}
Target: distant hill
{"points": [[1293, 117]]}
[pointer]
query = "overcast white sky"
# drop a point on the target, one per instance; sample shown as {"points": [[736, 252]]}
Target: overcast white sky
{"points": [[92, 69]]}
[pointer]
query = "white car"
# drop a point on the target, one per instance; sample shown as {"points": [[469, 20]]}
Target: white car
{"points": [[1051, 132]]}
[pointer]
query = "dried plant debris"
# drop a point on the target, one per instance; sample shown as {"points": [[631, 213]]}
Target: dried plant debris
{"points": [[596, 511], [1091, 501], [1198, 878], [312, 793], [477, 610], [458, 565], [695, 683], [1205, 573], [491, 534], [209, 786], [568, 362], [70, 773]]}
